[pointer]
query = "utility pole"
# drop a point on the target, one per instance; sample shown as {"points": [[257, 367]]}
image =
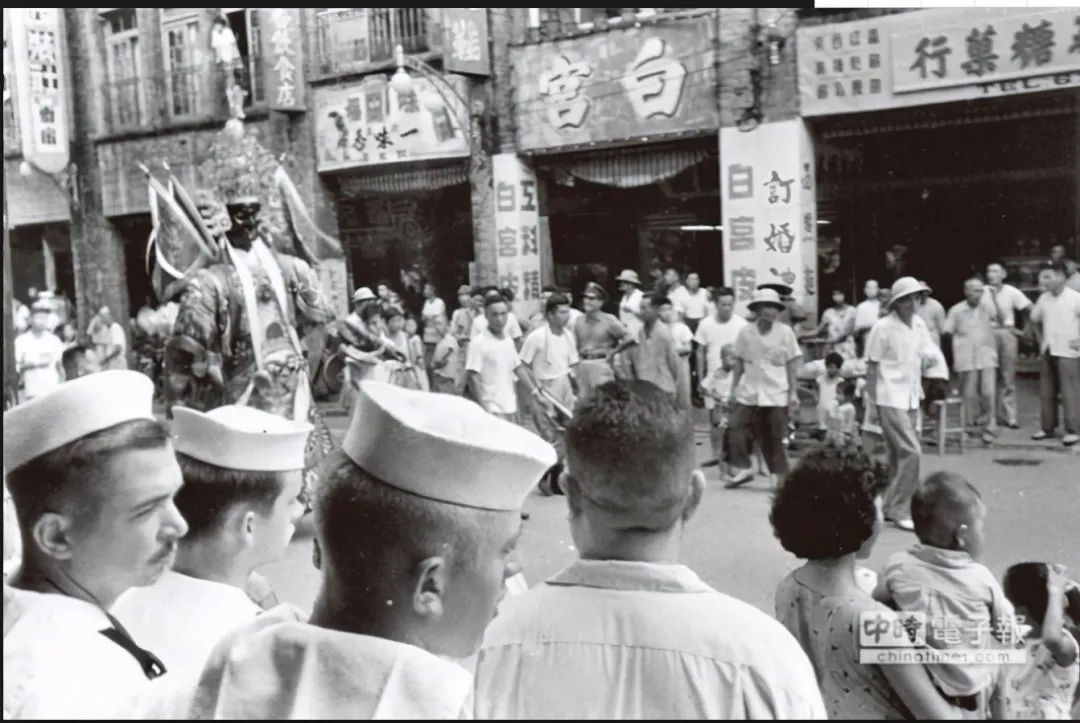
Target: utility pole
{"points": [[11, 379]]}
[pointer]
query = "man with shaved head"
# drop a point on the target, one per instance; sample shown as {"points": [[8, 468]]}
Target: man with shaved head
{"points": [[626, 632]]}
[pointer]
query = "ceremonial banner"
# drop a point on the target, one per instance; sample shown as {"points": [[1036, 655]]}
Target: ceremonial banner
{"points": [[283, 51], [768, 206], [517, 221], [936, 56], [36, 38]]}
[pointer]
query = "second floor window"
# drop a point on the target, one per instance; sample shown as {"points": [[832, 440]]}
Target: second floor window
{"points": [[122, 64], [244, 22], [182, 58]]}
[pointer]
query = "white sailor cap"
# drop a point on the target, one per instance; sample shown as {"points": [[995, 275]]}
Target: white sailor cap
{"points": [[74, 410], [241, 438], [444, 448]]}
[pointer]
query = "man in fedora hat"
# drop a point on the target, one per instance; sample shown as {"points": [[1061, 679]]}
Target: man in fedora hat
{"points": [[898, 348], [597, 335], [793, 313], [763, 388]]}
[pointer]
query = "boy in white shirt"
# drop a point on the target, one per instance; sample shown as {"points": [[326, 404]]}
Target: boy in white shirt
{"points": [[827, 388]]}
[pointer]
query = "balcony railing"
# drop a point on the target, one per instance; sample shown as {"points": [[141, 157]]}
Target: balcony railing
{"points": [[194, 93], [357, 39]]}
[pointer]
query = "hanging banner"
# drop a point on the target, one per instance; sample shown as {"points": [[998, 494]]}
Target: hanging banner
{"points": [[37, 50], [768, 207], [465, 45], [936, 56], [517, 229], [283, 68], [368, 123]]}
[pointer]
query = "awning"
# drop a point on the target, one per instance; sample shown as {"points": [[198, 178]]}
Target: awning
{"points": [[633, 166], [33, 199], [382, 180]]}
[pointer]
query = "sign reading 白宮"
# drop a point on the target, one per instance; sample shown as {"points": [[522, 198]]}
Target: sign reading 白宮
{"points": [[768, 210], [517, 229], [284, 64]]}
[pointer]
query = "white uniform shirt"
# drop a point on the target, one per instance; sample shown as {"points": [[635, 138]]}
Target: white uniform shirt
{"points": [[47, 350], [605, 640], [713, 335], [900, 351], [549, 355], [1060, 319], [629, 308], [58, 665], [765, 358], [692, 306], [494, 360], [107, 337], [512, 330], [1009, 300], [180, 619], [866, 314]]}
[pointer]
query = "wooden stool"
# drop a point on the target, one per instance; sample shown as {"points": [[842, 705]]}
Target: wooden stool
{"points": [[944, 430]]}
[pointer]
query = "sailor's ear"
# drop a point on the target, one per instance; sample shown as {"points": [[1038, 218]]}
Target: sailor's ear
{"points": [[52, 535], [431, 577]]}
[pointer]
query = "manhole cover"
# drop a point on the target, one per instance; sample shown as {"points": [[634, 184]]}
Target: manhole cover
{"points": [[1018, 461]]}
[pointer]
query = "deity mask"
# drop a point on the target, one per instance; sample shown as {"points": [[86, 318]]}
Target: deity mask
{"points": [[244, 215]]}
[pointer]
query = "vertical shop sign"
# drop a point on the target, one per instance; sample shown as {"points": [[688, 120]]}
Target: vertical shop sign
{"points": [[36, 40], [767, 185], [517, 231], [284, 68], [465, 45]]}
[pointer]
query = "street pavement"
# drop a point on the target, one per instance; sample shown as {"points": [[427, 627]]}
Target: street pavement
{"points": [[1031, 495]]}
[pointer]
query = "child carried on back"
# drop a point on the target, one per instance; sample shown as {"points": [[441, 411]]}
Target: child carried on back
{"points": [[963, 604]]}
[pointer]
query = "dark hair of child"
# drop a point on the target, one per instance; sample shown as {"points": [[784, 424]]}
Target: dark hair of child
{"points": [[943, 503]]}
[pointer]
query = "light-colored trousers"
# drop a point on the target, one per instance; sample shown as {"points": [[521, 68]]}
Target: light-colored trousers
{"points": [[562, 392], [904, 455], [1060, 375], [1008, 349], [592, 373], [977, 389]]}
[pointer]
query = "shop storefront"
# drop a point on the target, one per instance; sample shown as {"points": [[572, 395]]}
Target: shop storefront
{"points": [[38, 223], [619, 129], [944, 140], [400, 167]]}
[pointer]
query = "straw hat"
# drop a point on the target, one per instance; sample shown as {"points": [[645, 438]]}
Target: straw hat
{"points": [[905, 286], [628, 276], [783, 289], [764, 297]]}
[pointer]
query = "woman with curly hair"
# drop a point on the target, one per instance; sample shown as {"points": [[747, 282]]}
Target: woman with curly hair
{"points": [[828, 513]]}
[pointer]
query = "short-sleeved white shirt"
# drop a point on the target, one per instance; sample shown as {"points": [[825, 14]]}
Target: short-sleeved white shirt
{"points": [[764, 381], [549, 355], [46, 350], [513, 327], [1009, 300], [692, 305], [1060, 318], [494, 361], [899, 351]]}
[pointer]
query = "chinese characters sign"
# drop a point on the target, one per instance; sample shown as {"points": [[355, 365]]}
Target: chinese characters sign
{"points": [[284, 65], [619, 85], [36, 40], [369, 123], [517, 229], [936, 56], [465, 45], [769, 210]]}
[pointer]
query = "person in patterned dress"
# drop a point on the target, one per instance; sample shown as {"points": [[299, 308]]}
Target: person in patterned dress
{"points": [[236, 338]]}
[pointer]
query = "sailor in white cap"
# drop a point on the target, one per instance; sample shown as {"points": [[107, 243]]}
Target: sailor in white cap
{"points": [[416, 519], [39, 354], [243, 473], [92, 475], [898, 350]]}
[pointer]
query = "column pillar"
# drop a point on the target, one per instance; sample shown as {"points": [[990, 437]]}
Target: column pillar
{"points": [[97, 248], [768, 204], [481, 188]]}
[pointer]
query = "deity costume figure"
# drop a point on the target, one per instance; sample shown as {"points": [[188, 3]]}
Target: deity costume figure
{"points": [[237, 337]]}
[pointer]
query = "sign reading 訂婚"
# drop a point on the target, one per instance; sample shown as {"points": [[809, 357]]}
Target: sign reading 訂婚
{"points": [[517, 229], [767, 204], [623, 84], [369, 123], [284, 64], [936, 56], [465, 42], [37, 48]]}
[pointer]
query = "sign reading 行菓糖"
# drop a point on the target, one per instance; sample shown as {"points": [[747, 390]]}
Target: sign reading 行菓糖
{"points": [[625, 84], [369, 123], [517, 229], [768, 207], [282, 48], [936, 56]]}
